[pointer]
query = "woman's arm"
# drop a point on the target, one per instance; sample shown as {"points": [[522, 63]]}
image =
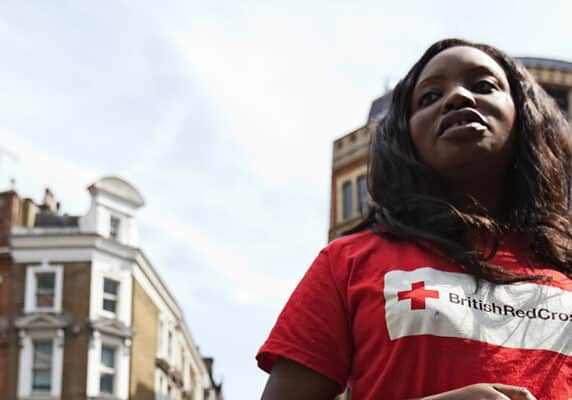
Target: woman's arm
{"points": [[290, 380]]}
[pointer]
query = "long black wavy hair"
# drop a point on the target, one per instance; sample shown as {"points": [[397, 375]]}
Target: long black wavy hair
{"points": [[409, 200]]}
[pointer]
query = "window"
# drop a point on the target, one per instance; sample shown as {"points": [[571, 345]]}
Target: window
{"points": [[107, 371], [362, 194], [110, 294], [44, 285], [347, 199], [114, 224], [42, 366], [45, 289], [169, 344], [160, 337]]}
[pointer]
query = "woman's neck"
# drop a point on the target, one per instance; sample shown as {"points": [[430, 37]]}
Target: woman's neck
{"points": [[490, 195]]}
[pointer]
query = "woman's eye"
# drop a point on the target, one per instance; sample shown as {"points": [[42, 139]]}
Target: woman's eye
{"points": [[484, 87], [427, 99]]}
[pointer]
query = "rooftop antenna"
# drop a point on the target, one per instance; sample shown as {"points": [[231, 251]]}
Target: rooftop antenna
{"points": [[7, 154]]}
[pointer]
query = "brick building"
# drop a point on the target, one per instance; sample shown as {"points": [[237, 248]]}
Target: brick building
{"points": [[8, 213], [87, 316]]}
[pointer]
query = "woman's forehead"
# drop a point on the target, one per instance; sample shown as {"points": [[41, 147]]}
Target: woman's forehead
{"points": [[460, 59]]}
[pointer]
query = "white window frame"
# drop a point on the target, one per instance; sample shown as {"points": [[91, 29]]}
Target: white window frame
{"points": [[110, 296], [103, 369], [32, 271], [25, 375], [122, 366], [103, 267]]}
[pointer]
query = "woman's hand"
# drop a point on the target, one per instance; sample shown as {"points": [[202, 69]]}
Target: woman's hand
{"points": [[485, 391]]}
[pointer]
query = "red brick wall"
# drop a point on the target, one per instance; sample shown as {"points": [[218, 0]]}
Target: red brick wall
{"points": [[8, 214]]}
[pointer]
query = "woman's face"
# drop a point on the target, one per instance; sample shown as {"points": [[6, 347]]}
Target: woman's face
{"points": [[462, 115]]}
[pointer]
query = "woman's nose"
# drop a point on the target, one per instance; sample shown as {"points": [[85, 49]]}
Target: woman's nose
{"points": [[459, 97]]}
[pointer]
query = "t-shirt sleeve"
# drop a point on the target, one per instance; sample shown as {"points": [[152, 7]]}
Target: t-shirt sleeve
{"points": [[314, 327]]}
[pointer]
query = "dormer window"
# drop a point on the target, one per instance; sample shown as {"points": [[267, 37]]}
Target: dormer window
{"points": [[114, 226], [110, 295]]}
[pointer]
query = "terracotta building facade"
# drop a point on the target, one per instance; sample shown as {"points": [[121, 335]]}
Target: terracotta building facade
{"points": [[86, 315]]}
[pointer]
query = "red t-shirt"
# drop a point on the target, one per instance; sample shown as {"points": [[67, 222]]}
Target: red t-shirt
{"points": [[394, 321]]}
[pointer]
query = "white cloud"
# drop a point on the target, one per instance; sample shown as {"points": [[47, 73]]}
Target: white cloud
{"points": [[230, 272], [274, 104]]}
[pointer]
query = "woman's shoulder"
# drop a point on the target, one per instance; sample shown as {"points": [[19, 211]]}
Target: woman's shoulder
{"points": [[380, 250], [368, 241], [367, 237]]}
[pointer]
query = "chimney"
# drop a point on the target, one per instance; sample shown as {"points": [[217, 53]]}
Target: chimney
{"points": [[28, 214], [8, 215], [49, 203]]}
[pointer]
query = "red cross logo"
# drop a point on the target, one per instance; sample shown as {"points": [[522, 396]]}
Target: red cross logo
{"points": [[417, 295]]}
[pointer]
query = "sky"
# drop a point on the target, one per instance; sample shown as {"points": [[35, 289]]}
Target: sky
{"points": [[222, 113]]}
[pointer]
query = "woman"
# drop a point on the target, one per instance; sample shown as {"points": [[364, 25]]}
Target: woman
{"points": [[457, 284]]}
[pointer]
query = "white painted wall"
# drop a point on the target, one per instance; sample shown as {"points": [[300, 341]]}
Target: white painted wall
{"points": [[97, 219]]}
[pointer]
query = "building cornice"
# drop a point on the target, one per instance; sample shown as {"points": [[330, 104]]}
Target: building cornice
{"points": [[551, 76], [350, 147]]}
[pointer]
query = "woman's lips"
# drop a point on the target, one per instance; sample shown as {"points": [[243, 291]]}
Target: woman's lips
{"points": [[464, 131], [461, 118]]}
